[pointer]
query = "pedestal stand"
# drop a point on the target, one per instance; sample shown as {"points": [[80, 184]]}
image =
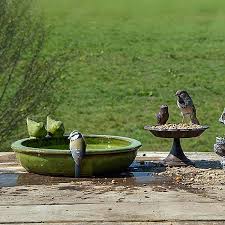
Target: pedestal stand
{"points": [[176, 156]]}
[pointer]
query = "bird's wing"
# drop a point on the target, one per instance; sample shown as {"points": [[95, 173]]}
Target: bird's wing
{"points": [[158, 117], [188, 102]]}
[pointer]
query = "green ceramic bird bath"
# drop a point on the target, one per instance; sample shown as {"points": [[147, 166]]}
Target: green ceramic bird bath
{"points": [[51, 156]]}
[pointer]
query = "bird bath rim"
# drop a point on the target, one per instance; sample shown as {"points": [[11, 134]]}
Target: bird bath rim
{"points": [[18, 146]]}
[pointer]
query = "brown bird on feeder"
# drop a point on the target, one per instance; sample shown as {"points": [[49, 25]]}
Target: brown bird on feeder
{"points": [[163, 115], [186, 106]]}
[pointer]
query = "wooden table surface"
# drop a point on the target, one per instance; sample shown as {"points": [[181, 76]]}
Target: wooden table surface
{"points": [[34, 199]]}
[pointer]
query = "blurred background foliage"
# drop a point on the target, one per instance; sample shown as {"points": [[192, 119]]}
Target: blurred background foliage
{"points": [[29, 74]]}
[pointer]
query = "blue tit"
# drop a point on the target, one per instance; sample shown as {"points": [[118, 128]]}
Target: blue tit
{"points": [[78, 150]]}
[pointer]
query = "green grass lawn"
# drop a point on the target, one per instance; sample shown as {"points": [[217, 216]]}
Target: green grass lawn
{"points": [[132, 56]]}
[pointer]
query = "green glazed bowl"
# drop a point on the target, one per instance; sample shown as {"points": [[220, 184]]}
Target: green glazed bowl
{"points": [[51, 156]]}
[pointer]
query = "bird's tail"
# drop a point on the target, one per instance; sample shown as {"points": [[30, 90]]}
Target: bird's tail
{"points": [[194, 120]]}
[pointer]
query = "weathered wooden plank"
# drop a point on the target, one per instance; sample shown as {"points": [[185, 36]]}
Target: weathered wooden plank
{"points": [[83, 202], [128, 223], [155, 211]]}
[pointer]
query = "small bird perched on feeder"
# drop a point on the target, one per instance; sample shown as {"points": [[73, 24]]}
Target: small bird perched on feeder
{"points": [[222, 117], [163, 115], [78, 150], [186, 106]]}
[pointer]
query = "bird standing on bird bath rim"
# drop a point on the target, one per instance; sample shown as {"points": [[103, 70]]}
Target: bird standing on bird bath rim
{"points": [[78, 150]]}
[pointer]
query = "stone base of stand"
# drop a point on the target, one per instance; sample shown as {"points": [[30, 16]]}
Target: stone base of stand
{"points": [[176, 156], [172, 160]]}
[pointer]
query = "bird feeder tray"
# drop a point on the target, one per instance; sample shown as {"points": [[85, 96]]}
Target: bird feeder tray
{"points": [[176, 133], [176, 156]]}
